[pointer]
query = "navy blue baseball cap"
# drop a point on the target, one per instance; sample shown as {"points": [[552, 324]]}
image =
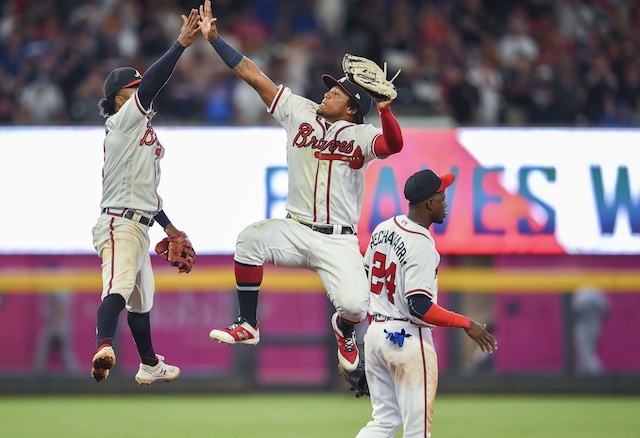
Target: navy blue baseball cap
{"points": [[355, 91], [424, 184], [121, 77]]}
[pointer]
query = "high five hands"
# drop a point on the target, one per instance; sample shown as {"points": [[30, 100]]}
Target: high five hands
{"points": [[190, 28], [208, 22]]}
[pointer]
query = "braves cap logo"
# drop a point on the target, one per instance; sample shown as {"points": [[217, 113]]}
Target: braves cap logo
{"points": [[137, 74]]}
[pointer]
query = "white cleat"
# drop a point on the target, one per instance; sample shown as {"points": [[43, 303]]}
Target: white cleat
{"points": [[147, 374]]}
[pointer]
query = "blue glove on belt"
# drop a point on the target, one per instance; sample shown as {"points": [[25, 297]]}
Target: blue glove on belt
{"points": [[397, 337]]}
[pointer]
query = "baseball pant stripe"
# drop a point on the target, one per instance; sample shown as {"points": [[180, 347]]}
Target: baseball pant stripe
{"points": [[113, 254], [426, 397]]}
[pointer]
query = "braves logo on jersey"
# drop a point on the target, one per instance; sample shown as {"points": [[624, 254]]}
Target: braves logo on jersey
{"points": [[345, 149], [149, 138], [302, 140]]}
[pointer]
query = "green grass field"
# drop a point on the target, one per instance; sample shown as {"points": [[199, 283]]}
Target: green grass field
{"points": [[311, 416]]}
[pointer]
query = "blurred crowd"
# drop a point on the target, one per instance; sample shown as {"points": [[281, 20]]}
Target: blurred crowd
{"points": [[478, 62]]}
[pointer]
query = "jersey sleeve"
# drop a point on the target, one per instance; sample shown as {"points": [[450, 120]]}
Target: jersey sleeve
{"points": [[286, 106], [421, 274], [367, 135], [128, 118]]}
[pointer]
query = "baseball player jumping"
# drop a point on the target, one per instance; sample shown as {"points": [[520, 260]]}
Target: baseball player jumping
{"points": [[328, 149], [402, 264], [130, 205]]}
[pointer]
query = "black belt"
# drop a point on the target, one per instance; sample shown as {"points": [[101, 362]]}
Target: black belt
{"points": [[382, 318], [130, 214], [325, 229], [328, 229]]}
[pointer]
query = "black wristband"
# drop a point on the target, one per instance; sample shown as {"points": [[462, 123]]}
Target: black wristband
{"points": [[162, 218]]}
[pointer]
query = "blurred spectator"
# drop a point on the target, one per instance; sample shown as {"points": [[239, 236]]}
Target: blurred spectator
{"points": [[590, 308], [517, 85], [542, 61], [55, 337], [542, 97], [488, 80], [517, 43], [463, 98], [569, 95], [600, 82], [614, 114], [218, 108], [575, 19], [629, 91], [41, 102], [472, 22]]}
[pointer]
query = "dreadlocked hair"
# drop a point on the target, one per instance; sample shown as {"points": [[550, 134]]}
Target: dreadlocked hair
{"points": [[358, 116], [107, 106]]}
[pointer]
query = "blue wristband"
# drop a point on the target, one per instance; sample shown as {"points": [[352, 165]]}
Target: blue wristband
{"points": [[229, 55]]}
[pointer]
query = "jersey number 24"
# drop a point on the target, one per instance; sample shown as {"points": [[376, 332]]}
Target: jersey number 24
{"points": [[383, 275]]}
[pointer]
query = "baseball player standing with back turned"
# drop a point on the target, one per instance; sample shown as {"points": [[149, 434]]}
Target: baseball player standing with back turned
{"points": [[328, 149], [130, 205], [402, 264]]}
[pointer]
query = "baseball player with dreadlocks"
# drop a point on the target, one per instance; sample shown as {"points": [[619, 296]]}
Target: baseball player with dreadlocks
{"points": [[130, 205], [328, 149], [401, 365]]}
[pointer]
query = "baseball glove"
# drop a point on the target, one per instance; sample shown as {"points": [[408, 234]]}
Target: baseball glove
{"points": [[370, 76], [178, 251], [357, 378]]}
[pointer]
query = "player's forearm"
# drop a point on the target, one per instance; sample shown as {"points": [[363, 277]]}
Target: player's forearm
{"points": [[158, 74], [228, 54], [162, 219], [421, 306], [391, 141], [440, 316], [246, 70]]}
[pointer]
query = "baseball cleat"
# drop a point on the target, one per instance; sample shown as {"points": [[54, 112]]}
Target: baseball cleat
{"points": [[148, 374], [240, 332], [102, 362], [348, 354]]}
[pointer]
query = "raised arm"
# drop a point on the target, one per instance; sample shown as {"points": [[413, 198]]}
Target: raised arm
{"points": [[156, 77], [390, 142], [242, 66]]}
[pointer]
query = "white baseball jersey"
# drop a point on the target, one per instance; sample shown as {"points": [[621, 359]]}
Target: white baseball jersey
{"points": [[401, 362], [326, 165], [130, 178], [132, 154], [326, 185], [402, 260]]}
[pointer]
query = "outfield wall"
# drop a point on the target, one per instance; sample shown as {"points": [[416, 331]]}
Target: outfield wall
{"points": [[524, 299]]}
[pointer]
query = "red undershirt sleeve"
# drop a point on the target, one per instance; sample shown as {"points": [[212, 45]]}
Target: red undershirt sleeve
{"points": [[390, 142], [440, 316]]}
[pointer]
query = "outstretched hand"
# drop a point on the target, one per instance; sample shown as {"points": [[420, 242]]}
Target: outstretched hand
{"points": [[208, 22], [189, 30], [482, 337]]}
